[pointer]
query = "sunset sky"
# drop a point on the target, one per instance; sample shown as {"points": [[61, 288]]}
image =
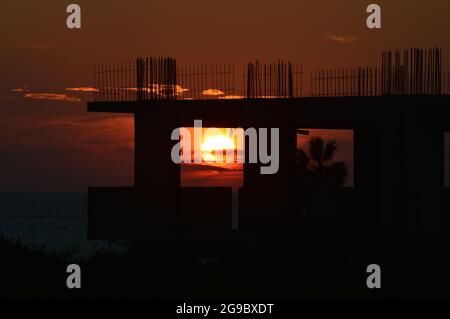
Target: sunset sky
{"points": [[48, 141]]}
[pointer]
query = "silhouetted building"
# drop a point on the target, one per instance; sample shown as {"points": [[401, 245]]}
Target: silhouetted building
{"points": [[398, 167]]}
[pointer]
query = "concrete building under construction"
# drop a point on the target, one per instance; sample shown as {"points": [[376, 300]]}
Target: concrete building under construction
{"points": [[399, 114]]}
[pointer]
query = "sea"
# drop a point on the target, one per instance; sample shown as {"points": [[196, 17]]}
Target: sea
{"points": [[55, 222]]}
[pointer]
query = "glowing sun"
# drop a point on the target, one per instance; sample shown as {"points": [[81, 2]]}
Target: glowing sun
{"points": [[216, 143]]}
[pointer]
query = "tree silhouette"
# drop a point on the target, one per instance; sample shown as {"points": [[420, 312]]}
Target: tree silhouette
{"points": [[317, 167]]}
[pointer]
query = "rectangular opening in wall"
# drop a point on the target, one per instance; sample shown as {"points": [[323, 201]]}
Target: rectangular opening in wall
{"points": [[214, 161], [325, 156], [215, 168]]}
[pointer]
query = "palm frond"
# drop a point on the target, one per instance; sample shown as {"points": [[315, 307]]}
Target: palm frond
{"points": [[329, 151], [316, 149]]}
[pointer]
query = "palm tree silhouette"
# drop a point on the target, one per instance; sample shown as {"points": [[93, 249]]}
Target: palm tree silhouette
{"points": [[317, 167]]}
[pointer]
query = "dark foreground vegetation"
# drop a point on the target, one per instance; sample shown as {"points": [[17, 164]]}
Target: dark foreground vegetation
{"points": [[332, 270]]}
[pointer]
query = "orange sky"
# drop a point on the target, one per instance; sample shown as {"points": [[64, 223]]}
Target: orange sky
{"points": [[212, 172], [49, 142], [231, 174], [39, 51]]}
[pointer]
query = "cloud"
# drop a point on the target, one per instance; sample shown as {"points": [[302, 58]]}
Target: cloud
{"points": [[105, 121], [193, 175], [82, 89], [205, 167], [159, 89], [231, 97], [213, 92], [20, 90], [69, 151], [64, 123], [342, 38], [52, 97]]}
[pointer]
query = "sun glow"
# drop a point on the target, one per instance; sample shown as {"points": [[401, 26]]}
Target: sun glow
{"points": [[214, 143]]}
